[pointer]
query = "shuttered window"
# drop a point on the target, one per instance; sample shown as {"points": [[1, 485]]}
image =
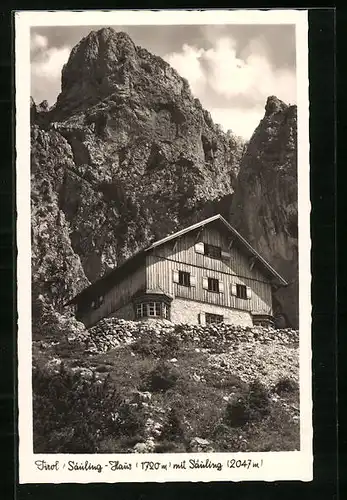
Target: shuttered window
{"points": [[184, 278], [213, 285], [240, 291]]}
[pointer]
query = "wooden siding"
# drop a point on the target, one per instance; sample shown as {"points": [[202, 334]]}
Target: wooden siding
{"points": [[181, 255], [183, 250], [117, 297]]}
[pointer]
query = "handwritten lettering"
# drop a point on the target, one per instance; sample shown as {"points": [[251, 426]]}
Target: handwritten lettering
{"points": [[117, 465], [85, 466], [43, 465], [204, 464]]}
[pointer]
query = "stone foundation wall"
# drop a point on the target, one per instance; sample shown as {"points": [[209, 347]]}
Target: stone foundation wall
{"points": [[188, 311]]}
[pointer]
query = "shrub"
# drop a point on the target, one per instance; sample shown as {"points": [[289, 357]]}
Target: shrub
{"points": [[146, 346], [259, 401], [286, 384], [102, 369], [168, 345], [224, 381], [163, 377], [237, 412], [119, 445], [171, 344], [252, 405], [170, 447], [130, 420], [227, 439], [73, 415], [173, 429]]}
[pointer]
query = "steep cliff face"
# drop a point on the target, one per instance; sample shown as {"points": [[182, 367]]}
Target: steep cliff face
{"points": [[264, 207], [57, 272], [127, 154]]}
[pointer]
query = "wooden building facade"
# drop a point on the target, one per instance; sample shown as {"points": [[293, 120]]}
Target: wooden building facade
{"points": [[206, 273]]}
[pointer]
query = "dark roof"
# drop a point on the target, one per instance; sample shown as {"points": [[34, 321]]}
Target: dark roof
{"points": [[117, 274], [103, 284]]}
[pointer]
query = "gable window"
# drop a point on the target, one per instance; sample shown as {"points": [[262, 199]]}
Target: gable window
{"points": [[213, 318], [212, 251], [241, 291], [183, 278], [213, 285]]}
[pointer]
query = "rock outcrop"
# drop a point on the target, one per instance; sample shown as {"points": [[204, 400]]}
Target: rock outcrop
{"points": [[265, 205], [128, 154]]}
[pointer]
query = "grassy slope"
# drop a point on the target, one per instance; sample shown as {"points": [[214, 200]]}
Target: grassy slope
{"points": [[168, 402]]}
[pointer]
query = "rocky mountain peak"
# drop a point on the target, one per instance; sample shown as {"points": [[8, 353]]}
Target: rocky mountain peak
{"points": [[107, 63], [94, 62], [129, 152], [274, 105], [264, 207]]}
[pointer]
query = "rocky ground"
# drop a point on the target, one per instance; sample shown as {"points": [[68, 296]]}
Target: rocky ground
{"points": [[179, 382]]}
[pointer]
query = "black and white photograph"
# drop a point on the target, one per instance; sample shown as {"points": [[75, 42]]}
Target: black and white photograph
{"points": [[163, 246]]}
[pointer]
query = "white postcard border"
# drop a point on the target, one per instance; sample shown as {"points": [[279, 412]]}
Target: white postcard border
{"points": [[296, 465]]}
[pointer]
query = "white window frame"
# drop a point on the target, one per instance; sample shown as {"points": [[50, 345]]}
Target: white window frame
{"points": [[151, 309]]}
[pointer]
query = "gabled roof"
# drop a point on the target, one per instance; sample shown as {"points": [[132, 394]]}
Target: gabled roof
{"points": [[133, 262], [235, 233]]}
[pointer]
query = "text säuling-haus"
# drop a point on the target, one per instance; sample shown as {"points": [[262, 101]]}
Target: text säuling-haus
{"points": [[206, 273]]}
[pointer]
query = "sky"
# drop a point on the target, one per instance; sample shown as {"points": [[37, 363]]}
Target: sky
{"points": [[232, 69]]}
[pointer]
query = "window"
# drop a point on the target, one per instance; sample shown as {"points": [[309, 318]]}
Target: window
{"points": [[183, 278], [141, 310], [213, 285], [95, 304], [152, 310], [212, 251], [165, 311], [213, 318], [241, 291]]}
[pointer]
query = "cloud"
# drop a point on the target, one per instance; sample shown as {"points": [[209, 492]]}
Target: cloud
{"points": [[38, 42], [187, 64], [221, 73], [240, 121], [231, 69], [46, 66]]}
